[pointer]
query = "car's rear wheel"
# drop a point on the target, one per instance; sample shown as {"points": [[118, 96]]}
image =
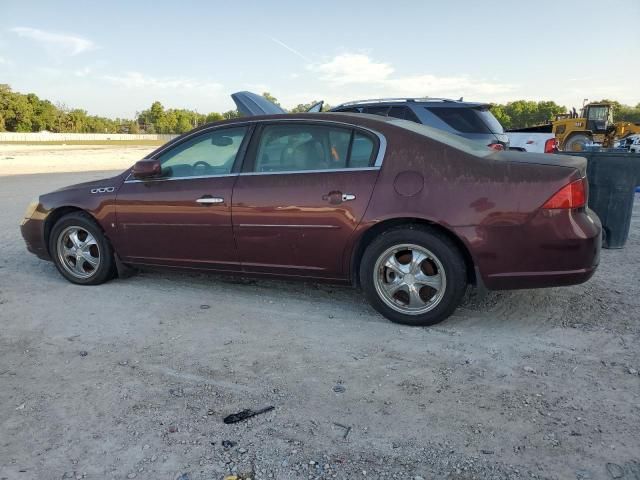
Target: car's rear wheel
{"points": [[80, 251], [414, 276]]}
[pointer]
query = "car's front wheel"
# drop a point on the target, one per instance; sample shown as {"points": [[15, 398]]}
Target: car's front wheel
{"points": [[414, 276], [80, 251]]}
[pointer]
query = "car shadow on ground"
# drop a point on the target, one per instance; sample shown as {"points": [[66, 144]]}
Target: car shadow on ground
{"points": [[500, 310]]}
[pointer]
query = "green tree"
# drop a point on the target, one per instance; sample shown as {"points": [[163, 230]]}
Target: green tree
{"points": [[501, 115], [133, 127], [230, 114], [75, 121], [526, 113], [214, 117], [19, 114], [185, 121], [45, 116]]}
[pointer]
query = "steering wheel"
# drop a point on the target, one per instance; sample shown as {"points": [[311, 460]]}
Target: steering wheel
{"points": [[201, 164]]}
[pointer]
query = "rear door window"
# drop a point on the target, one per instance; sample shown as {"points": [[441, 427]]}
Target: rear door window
{"points": [[492, 122], [309, 147]]}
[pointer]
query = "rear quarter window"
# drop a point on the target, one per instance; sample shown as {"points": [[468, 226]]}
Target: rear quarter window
{"points": [[361, 151]]}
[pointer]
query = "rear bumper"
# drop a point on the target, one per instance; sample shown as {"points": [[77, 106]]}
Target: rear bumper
{"points": [[553, 278], [555, 248]]}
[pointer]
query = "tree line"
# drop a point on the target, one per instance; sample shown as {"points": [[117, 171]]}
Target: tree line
{"points": [[28, 113], [525, 113]]}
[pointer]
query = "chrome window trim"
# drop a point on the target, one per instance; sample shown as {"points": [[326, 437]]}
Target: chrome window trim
{"points": [[377, 164], [326, 170], [129, 179], [244, 174], [379, 157]]}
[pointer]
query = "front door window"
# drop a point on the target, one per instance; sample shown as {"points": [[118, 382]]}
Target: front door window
{"points": [[211, 153]]}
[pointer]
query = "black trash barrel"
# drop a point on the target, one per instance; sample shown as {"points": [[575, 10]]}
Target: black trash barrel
{"points": [[613, 177]]}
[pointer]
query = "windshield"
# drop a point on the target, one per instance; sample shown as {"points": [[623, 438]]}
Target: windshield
{"points": [[598, 113], [460, 143]]}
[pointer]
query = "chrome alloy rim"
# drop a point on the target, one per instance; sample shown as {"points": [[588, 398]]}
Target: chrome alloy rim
{"points": [[78, 252], [410, 279]]}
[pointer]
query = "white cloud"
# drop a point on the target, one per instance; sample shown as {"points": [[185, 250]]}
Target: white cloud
{"points": [[83, 72], [352, 68], [56, 42], [139, 80], [378, 78]]}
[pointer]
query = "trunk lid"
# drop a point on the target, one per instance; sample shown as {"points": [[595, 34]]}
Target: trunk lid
{"points": [[556, 160], [250, 104]]}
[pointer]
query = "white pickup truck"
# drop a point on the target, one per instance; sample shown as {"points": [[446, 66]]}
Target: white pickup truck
{"points": [[532, 142]]}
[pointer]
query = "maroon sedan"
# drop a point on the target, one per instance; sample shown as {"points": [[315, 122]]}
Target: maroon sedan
{"points": [[410, 214]]}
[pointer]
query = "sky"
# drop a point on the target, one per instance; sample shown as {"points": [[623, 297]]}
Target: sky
{"points": [[115, 58]]}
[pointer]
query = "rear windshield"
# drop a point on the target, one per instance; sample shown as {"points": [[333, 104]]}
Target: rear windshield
{"points": [[491, 121], [468, 120], [460, 143]]}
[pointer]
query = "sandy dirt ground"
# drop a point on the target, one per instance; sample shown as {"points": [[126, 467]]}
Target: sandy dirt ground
{"points": [[132, 379], [67, 158]]}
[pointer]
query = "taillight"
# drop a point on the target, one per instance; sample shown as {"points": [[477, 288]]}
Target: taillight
{"points": [[573, 195], [551, 146], [496, 146]]}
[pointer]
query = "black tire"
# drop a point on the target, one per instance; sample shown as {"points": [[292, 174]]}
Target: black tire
{"points": [[576, 142], [445, 252], [105, 268]]}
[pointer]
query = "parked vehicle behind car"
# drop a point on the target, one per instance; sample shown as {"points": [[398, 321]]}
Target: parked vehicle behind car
{"points": [[631, 142], [532, 142], [467, 119], [409, 213]]}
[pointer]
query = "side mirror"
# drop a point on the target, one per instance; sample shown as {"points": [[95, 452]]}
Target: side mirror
{"points": [[147, 169]]}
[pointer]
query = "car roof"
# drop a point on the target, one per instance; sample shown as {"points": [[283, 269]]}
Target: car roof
{"points": [[425, 101]]}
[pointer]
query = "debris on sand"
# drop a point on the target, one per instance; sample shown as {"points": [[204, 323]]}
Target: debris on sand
{"points": [[244, 414]]}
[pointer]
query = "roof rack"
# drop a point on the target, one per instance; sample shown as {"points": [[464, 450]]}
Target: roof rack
{"points": [[399, 99]]}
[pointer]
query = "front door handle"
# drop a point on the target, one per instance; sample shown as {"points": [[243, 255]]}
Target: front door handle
{"points": [[208, 200]]}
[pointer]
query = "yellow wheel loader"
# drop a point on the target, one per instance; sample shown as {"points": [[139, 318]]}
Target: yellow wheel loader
{"points": [[594, 125]]}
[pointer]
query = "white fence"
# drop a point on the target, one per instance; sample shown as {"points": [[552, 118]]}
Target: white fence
{"points": [[69, 137]]}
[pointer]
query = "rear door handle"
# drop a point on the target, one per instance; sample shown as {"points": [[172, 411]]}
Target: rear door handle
{"points": [[207, 200], [336, 197]]}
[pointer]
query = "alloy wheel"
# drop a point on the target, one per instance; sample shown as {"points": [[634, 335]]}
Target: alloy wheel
{"points": [[410, 279], [78, 252]]}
